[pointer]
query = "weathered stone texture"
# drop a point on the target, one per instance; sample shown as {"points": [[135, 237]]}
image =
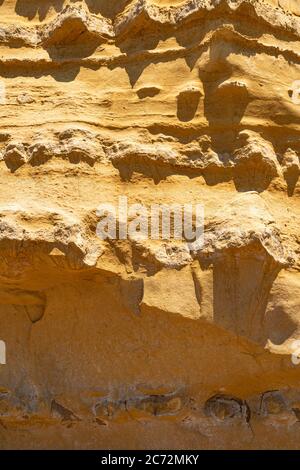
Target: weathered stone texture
{"points": [[144, 343]]}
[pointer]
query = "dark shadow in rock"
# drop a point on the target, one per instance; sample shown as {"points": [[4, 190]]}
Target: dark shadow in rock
{"points": [[29, 9], [215, 175], [77, 50], [184, 134], [285, 118], [139, 40], [157, 171], [187, 103], [15, 156], [272, 402], [250, 179], [291, 179], [242, 280], [132, 291], [35, 312], [139, 43], [226, 408]]}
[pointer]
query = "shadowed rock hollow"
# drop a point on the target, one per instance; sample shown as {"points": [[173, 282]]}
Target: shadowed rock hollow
{"points": [[132, 343]]}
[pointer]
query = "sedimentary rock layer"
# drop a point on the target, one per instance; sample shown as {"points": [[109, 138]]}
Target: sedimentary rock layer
{"points": [[134, 342]]}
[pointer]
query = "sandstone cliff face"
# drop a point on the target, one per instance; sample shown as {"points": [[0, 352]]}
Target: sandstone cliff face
{"points": [[145, 343]]}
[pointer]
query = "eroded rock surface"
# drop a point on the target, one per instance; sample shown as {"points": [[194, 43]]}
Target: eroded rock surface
{"points": [[150, 343]]}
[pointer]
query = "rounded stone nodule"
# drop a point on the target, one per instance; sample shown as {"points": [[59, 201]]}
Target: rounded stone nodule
{"points": [[223, 408]]}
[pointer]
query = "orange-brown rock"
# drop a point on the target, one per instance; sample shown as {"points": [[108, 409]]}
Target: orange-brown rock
{"points": [[135, 343]]}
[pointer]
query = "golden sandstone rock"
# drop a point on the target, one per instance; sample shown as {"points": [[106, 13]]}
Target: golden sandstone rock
{"points": [[142, 343]]}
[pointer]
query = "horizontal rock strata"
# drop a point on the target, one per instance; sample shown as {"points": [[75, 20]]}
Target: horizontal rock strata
{"points": [[140, 342]]}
